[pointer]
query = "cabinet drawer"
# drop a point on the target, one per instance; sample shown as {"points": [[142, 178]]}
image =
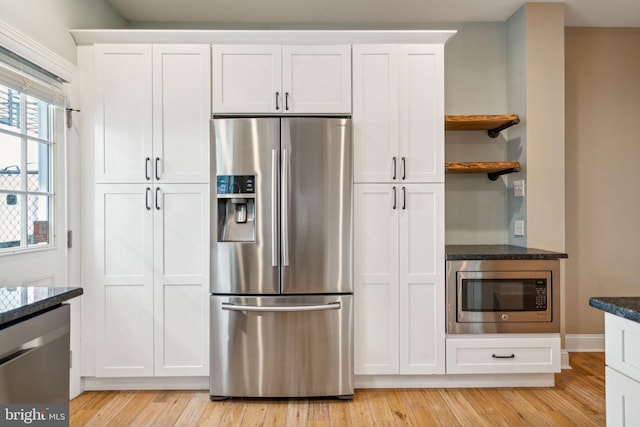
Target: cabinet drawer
{"points": [[622, 345], [503, 355]]}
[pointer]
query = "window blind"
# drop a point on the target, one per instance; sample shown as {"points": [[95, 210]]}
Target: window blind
{"points": [[19, 74]]}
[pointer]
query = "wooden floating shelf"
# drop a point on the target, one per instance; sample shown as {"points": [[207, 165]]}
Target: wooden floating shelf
{"points": [[493, 124], [492, 169]]}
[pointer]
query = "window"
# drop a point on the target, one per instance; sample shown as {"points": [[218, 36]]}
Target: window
{"points": [[26, 167]]}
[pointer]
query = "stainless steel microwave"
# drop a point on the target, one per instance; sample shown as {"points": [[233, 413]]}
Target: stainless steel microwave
{"points": [[496, 296]]}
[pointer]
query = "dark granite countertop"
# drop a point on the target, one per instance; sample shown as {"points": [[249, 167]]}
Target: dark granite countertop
{"points": [[465, 252], [22, 301], [626, 307]]}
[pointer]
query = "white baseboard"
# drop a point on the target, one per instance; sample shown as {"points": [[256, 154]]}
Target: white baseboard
{"points": [[577, 343], [564, 359], [162, 383], [454, 381]]}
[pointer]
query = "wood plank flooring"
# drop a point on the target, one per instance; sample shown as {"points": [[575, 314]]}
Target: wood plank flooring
{"points": [[576, 400]]}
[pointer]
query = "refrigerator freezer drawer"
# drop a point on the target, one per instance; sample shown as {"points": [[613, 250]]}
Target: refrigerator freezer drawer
{"points": [[281, 346]]}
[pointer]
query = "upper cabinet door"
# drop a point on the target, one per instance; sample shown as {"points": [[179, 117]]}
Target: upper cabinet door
{"points": [[422, 113], [398, 113], [247, 79], [181, 113], [123, 129], [375, 113], [316, 79]]}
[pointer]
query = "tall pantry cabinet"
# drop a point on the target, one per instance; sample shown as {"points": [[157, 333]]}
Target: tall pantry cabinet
{"points": [[152, 110], [398, 121]]}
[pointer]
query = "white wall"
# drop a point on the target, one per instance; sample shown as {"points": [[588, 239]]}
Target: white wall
{"points": [[545, 126], [603, 149], [517, 104], [475, 83], [48, 21]]}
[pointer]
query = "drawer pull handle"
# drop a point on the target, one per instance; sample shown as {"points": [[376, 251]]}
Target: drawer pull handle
{"points": [[511, 356]]}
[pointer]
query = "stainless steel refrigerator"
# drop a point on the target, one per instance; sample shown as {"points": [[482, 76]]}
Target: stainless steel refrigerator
{"points": [[282, 282]]}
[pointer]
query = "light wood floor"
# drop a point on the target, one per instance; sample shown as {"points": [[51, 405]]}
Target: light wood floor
{"points": [[576, 400]]}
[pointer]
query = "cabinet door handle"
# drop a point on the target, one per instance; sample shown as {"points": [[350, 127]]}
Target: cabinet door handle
{"points": [[394, 168], [404, 197], [147, 162], [286, 101], [146, 198], [511, 356], [394, 197], [156, 167], [404, 168], [157, 197], [277, 100]]}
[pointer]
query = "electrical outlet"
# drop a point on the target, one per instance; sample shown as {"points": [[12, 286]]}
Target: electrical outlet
{"points": [[518, 188], [518, 228]]}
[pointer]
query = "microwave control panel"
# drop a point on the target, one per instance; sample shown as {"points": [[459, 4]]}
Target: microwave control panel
{"points": [[541, 295]]}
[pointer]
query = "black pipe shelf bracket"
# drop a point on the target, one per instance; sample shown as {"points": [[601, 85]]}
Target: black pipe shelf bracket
{"points": [[493, 176], [493, 133]]}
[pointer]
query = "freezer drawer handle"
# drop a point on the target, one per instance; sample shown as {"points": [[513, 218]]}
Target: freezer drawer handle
{"points": [[321, 307]]}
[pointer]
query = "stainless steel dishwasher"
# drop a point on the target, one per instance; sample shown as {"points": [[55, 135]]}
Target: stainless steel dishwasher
{"points": [[34, 359]]}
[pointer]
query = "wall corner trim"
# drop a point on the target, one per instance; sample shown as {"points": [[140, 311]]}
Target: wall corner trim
{"points": [[29, 49]]}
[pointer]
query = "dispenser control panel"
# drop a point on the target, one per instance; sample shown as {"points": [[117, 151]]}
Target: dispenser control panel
{"points": [[236, 184]]}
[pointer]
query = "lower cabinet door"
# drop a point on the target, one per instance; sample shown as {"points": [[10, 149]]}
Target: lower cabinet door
{"points": [[503, 355], [124, 280], [152, 279], [280, 346], [623, 399], [376, 287], [181, 279]]}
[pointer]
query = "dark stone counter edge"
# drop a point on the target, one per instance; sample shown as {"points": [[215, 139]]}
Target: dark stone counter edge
{"points": [[462, 257], [498, 252], [625, 307], [35, 307]]}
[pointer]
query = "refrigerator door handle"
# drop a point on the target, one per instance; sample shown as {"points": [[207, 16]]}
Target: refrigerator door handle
{"points": [[274, 207], [286, 308], [285, 208]]}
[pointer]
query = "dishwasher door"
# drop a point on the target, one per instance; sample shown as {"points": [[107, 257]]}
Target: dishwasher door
{"points": [[34, 359], [281, 346]]}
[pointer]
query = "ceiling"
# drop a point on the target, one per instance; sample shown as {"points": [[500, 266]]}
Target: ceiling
{"points": [[590, 13]]}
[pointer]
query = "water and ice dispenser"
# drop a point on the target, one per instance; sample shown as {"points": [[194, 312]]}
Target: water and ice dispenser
{"points": [[236, 208]]}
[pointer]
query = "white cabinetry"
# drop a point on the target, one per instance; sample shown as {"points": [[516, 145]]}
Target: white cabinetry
{"points": [[622, 342], [399, 279], [282, 79], [152, 110], [153, 279], [503, 354], [152, 209], [398, 122], [398, 111]]}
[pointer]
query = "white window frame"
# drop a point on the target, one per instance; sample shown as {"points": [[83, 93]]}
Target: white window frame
{"points": [[29, 80]]}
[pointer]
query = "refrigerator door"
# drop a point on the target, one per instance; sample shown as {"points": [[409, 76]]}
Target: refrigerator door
{"points": [[283, 346], [316, 207], [246, 147]]}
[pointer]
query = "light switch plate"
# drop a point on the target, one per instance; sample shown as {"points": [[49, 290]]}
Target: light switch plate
{"points": [[518, 228], [518, 188]]}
